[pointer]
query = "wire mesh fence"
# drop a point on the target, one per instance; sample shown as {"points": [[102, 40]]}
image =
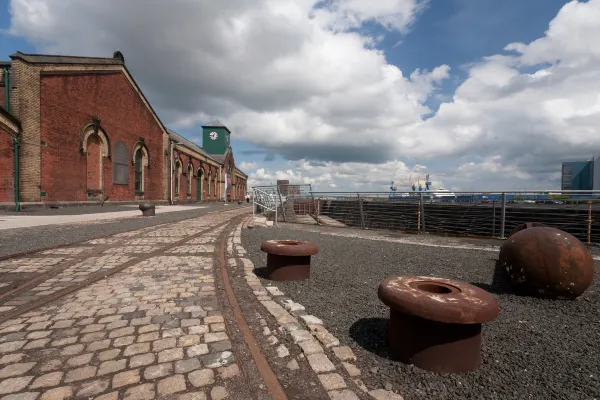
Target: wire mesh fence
{"points": [[446, 213]]}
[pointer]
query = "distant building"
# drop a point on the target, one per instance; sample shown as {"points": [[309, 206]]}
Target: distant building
{"points": [[580, 175]]}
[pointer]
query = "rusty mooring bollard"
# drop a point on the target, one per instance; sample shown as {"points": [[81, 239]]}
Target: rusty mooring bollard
{"points": [[547, 262], [288, 260], [435, 323], [148, 209]]}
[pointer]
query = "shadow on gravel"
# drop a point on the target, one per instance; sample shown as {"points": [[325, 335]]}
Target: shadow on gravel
{"points": [[500, 283], [261, 272], [371, 335]]}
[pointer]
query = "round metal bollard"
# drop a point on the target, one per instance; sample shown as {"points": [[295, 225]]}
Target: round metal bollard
{"points": [[547, 263], [148, 209], [288, 260], [435, 323], [526, 225]]}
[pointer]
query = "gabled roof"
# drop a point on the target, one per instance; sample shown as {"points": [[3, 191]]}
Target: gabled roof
{"points": [[216, 124], [189, 144], [57, 59], [220, 158], [117, 59]]}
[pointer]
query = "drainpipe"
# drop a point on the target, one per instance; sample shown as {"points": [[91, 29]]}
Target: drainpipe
{"points": [[170, 172], [219, 178], [15, 139], [17, 172]]}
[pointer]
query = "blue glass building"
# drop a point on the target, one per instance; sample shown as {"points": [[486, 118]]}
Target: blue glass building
{"points": [[579, 175]]}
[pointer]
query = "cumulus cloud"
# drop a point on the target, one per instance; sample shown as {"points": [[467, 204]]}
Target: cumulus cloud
{"points": [[370, 177], [297, 78]]}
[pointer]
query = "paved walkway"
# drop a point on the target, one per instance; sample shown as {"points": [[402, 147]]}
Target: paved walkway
{"points": [[25, 221], [152, 329], [172, 311]]}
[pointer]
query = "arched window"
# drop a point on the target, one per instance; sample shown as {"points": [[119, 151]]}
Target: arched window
{"points": [[120, 165], [177, 174], [199, 183], [190, 175], [141, 161], [139, 171], [208, 183]]}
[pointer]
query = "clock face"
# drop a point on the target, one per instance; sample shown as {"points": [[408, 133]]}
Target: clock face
{"points": [[213, 135]]}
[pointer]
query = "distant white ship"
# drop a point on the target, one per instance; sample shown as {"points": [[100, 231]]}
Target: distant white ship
{"points": [[442, 192]]}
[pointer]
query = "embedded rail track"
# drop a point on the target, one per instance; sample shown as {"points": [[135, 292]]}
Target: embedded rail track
{"points": [[96, 251], [44, 283]]}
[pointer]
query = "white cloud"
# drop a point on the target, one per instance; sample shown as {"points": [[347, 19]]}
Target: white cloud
{"points": [[295, 79], [368, 177], [247, 166]]}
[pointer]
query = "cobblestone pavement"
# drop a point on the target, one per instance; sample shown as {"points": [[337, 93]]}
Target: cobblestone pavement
{"points": [[150, 326]]}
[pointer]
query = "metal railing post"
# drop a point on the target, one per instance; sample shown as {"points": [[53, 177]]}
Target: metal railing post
{"points": [[493, 218], [281, 202], [422, 206], [312, 195], [362, 214], [589, 224], [503, 215], [419, 217]]}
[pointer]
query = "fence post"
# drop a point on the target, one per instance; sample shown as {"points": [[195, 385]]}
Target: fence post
{"points": [[362, 214], [493, 218], [503, 216], [422, 206], [419, 217], [589, 224], [312, 195], [317, 208], [281, 203]]}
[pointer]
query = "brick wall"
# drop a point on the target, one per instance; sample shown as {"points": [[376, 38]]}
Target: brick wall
{"points": [[200, 163], [68, 103], [183, 179], [25, 105], [7, 183]]}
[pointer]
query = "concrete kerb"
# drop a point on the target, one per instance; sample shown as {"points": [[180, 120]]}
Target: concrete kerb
{"points": [[307, 331]]}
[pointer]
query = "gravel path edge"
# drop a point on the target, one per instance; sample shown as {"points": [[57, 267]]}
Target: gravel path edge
{"points": [[307, 331]]}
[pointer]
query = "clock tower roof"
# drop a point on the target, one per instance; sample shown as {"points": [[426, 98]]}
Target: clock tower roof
{"points": [[216, 124]]}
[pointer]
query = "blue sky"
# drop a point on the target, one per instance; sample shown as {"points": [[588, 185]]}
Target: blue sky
{"points": [[453, 32]]}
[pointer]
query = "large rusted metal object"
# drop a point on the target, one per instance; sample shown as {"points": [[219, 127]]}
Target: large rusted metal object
{"points": [[288, 260], [526, 225], [548, 263], [148, 209], [435, 323]]}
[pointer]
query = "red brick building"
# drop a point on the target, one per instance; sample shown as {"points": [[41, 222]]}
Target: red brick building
{"points": [[87, 134], [9, 133]]}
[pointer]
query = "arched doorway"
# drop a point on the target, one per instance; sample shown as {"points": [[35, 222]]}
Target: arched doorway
{"points": [[94, 166]]}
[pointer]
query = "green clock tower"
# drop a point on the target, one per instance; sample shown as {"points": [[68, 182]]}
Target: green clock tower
{"points": [[215, 138]]}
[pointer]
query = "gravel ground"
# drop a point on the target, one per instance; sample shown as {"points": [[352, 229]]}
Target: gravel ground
{"points": [[535, 349], [14, 241]]}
